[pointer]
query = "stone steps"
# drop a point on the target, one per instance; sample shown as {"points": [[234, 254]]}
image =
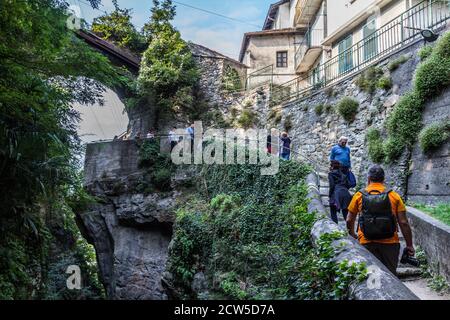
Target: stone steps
{"points": [[406, 273]]}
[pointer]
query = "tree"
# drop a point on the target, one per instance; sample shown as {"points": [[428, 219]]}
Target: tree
{"points": [[44, 68], [118, 28], [168, 71], [162, 15]]}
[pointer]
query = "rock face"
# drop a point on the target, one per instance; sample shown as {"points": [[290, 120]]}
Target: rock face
{"points": [[130, 230]]}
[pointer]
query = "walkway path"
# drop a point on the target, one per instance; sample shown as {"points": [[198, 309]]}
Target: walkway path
{"points": [[410, 276]]}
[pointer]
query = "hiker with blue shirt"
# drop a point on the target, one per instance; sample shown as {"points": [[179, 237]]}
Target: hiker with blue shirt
{"points": [[342, 153]]}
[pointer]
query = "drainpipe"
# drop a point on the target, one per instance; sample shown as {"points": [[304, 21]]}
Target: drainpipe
{"points": [[325, 19]]}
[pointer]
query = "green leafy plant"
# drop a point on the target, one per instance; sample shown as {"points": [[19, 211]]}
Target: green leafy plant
{"points": [[45, 71], [375, 145], [328, 108], [368, 80], [251, 237], [440, 211], [394, 65], [442, 48], [403, 125], [247, 119], [118, 28], [405, 122], [434, 136], [158, 166], [319, 109], [385, 83], [425, 52], [348, 108], [439, 284], [432, 76], [231, 81], [168, 70]]}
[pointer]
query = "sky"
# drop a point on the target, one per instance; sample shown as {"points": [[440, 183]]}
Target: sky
{"points": [[220, 34], [203, 28]]}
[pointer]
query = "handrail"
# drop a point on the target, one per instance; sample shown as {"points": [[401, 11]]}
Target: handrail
{"points": [[390, 37], [315, 166], [308, 42], [258, 73]]}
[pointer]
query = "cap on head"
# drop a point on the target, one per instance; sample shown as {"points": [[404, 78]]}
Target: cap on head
{"points": [[376, 174], [343, 138]]}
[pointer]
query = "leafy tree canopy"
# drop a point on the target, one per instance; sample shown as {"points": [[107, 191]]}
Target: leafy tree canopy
{"points": [[118, 28], [45, 68], [168, 71]]}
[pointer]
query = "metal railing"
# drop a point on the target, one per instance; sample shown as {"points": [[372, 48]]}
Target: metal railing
{"points": [[260, 78], [399, 32], [313, 38]]}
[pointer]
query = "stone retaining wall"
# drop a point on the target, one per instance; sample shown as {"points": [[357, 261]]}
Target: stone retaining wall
{"points": [[433, 237], [391, 288]]}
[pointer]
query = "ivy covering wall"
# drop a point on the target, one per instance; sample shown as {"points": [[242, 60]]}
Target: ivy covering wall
{"points": [[250, 236]]}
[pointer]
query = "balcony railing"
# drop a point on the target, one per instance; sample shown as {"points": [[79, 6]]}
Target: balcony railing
{"points": [[305, 11], [313, 39], [399, 32]]}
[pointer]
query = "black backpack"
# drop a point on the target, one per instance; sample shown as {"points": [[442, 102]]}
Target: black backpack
{"points": [[376, 220]]}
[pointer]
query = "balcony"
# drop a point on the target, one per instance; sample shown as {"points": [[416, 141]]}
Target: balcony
{"points": [[305, 12], [309, 51]]}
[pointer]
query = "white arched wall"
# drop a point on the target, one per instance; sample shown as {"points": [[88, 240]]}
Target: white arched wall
{"points": [[102, 122]]}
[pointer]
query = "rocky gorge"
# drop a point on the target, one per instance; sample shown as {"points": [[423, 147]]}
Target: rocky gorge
{"points": [[131, 226]]}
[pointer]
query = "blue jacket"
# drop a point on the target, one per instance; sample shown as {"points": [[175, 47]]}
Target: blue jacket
{"points": [[342, 155]]}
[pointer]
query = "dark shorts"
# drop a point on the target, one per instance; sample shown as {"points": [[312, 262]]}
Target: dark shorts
{"points": [[388, 254]]}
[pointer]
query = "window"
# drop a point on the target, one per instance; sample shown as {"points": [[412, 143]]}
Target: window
{"points": [[345, 55], [282, 59], [370, 40]]}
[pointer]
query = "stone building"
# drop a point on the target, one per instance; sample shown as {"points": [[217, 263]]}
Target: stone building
{"points": [[270, 55], [318, 42]]}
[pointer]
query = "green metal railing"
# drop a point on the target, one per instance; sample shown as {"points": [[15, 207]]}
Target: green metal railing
{"points": [[399, 32], [259, 78]]}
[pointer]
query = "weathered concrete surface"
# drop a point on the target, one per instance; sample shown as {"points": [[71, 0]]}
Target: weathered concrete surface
{"points": [[390, 287], [429, 181], [130, 230], [433, 237]]}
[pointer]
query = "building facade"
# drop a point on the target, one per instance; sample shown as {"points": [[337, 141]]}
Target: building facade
{"points": [[336, 37]]}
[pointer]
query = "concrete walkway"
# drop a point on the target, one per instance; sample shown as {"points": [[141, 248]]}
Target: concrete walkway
{"points": [[410, 276], [420, 288]]}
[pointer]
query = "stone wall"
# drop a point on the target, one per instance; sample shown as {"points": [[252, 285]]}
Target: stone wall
{"points": [[347, 248], [433, 237], [429, 180], [314, 135], [130, 230], [211, 65], [210, 84]]}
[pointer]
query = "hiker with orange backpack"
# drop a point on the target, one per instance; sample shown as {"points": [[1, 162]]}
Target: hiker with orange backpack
{"points": [[380, 211]]}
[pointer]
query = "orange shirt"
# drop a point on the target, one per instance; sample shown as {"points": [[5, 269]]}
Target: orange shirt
{"points": [[397, 205]]}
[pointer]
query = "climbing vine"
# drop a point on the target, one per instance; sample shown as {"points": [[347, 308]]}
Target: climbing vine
{"points": [[231, 81], [251, 238], [405, 122]]}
